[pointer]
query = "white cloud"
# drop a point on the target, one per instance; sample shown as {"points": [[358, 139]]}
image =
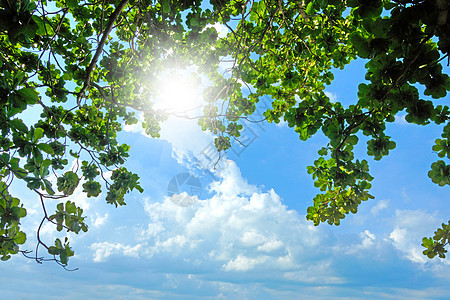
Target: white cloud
{"points": [[232, 183], [243, 263], [239, 229], [367, 239], [400, 119], [282, 123], [409, 229], [333, 97], [99, 220], [402, 241], [184, 135], [368, 243], [221, 29], [243, 237], [270, 246], [317, 273], [382, 204], [105, 249], [252, 238]]}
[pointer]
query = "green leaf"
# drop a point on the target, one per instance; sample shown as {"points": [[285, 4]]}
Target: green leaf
{"points": [[72, 3], [166, 6], [48, 187], [19, 125], [440, 173], [92, 188], [46, 148], [353, 139], [38, 134], [53, 250], [21, 212], [68, 183], [58, 244], [63, 257], [309, 8], [89, 170], [29, 95], [70, 207], [20, 238]]}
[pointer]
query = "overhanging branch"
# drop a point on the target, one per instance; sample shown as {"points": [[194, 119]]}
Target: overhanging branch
{"points": [[100, 46]]}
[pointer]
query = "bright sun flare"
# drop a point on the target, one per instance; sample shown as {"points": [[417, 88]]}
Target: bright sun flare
{"points": [[179, 92]]}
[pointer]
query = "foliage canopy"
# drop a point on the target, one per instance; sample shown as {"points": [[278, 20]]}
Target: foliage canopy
{"points": [[87, 64]]}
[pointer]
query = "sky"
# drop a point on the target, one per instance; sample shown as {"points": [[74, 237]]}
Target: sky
{"points": [[239, 231]]}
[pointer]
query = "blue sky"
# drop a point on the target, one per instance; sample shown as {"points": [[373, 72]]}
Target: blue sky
{"points": [[246, 237]]}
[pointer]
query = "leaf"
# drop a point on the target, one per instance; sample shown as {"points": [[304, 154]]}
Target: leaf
{"points": [[46, 148], [72, 3], [89, 170], [58, 244], [53, 250], [20, 238], [92, 188], [68, 183], [166, 6], [309, 8], [18, 77], [70, 207], [19, 125], [353, 139], [21, 212], [29, 95], [38, 134], [48, 187]]}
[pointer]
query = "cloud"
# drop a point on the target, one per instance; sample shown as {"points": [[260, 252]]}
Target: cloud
{"points": [[105, 249], [367, 245], [239, 229], [243, 263], [367, 239], [400, 119], [382, 204], [99, 220], [232, 183], [187, 139], [317, 273], [244, 240], [282, 123], [221, 29], [409, 228], [333, 97]]}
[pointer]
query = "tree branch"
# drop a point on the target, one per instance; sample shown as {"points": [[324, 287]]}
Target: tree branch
{"points": [[100, 46]]}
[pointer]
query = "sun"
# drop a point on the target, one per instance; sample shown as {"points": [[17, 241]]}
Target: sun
{"points": [[179, 91]]}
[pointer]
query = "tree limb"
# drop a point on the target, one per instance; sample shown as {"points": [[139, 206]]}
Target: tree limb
{"points": [[99, 50]]}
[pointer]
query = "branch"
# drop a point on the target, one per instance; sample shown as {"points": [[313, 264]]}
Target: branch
{"points": [[105, 35], [346, 133]]}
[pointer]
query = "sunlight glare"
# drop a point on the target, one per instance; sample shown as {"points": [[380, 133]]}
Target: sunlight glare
{"points": [[179, 92]]}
